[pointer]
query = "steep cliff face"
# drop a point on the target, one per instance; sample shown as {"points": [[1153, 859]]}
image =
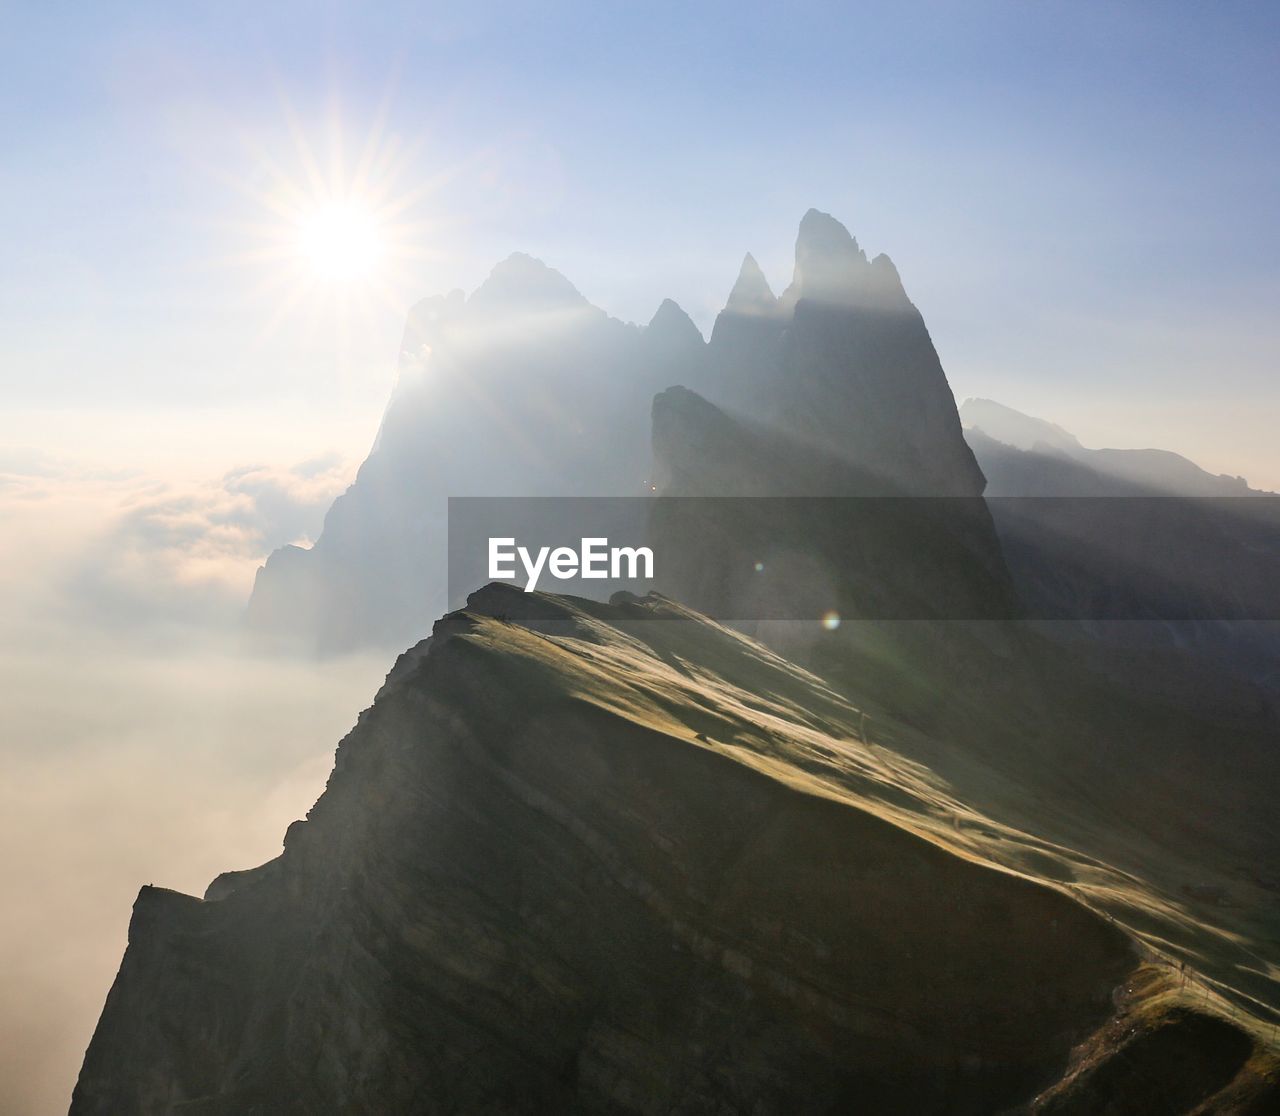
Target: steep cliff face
{"points": [[879, 553], [522, 389], [842, 361], [778, 533], [617, 859]]}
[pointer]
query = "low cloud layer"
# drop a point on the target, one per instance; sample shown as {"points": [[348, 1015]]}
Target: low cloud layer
{"points": [[152, 555], [140, 743]]}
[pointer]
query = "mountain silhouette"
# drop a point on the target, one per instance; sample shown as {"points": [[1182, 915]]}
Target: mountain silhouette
{"points": [[928, 855], [1187, 559], [1025, 456], [523, 388]]}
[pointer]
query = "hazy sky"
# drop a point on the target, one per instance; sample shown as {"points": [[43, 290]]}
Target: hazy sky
{"points": [[1080, 197]]}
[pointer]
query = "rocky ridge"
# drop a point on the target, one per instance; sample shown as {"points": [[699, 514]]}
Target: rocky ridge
{"points": [[617, 858]]}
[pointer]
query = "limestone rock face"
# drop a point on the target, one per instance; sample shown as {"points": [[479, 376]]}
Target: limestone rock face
{"points": [[526, 389], [751, 293], [815, 522], [522, 389], [843, 362], [671, 326], [780, 534]]}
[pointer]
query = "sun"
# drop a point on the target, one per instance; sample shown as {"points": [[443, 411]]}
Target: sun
{"points": [[337, 233], [341, 242]]}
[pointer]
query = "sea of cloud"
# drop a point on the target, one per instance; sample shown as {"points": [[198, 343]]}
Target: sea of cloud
{"points": [[140, 742]]}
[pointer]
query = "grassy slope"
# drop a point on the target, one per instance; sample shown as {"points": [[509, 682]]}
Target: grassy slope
{"points": [[711, 687]]}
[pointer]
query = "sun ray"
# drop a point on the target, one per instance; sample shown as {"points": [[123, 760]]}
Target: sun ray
{"points": [[340, 231]]}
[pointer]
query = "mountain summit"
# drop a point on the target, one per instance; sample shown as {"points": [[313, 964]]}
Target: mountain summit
{"points": [[828, 260], [525, 388], [521, 280], [751, 293], [843, 362]]}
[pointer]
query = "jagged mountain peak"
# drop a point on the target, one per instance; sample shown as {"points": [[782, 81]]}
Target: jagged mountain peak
{"points": [[670, 322], [821, 233], [751, 292], [523, 279], [827, 255], [831, 268], [886, 273], [566, 390]]}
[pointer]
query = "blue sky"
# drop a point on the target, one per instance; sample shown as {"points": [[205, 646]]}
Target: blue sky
{"points": [[1080, 197]]}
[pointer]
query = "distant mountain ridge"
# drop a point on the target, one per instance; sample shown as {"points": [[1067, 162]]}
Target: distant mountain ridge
{"points": [[1033, 457], [525, 388], [1188, 543]]}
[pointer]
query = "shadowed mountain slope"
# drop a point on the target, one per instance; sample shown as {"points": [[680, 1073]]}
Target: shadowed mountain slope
{"points": [[1026, 456], [616, 858], [1188, 559]]}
